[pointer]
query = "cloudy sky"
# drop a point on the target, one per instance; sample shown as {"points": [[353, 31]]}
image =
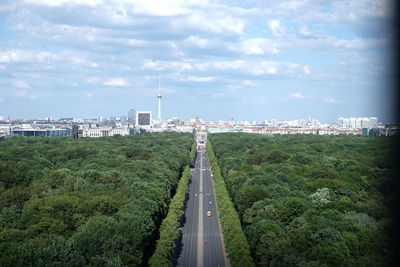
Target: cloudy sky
{"points": [[250, 60]]}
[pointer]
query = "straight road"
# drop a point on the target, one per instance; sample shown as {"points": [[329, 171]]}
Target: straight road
{"points": [[201, 240]]}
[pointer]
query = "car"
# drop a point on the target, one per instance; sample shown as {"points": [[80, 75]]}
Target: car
{"points": [[208, 213]]}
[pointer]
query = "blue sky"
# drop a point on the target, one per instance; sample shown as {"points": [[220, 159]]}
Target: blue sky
{"points": [[251, 60]]}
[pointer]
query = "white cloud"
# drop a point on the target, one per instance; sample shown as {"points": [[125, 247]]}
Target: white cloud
{"points": [[332, 44], [276, 27], [231, 67], [331, 100], [21, 84], [93, 80], [190, 78], [297, 95], [163, 8], [64, 2], [360, 8], [249, 83], [271, 70], [151, 19], [218, 22], [358, 43], [306, 70], [135, 42], [25, 94], [196, 41], [44, 60], [217, 95], [18, 55], [32, 75], [304, 31], [115, 82], [200, 79], [88, 94], [256, 46], [167, 65]]}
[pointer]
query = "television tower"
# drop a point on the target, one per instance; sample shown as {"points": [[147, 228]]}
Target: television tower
{"points": [[159, 98]]}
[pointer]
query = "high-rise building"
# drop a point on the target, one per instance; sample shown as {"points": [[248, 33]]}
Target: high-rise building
{"points": [[143, 118], [371, 122], [358, 123], [159, 99], [131, 116], [343, 122], [123, 118], [75, 130], [353, 122]]}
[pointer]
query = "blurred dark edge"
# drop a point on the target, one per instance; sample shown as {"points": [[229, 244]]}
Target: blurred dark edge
{"points": [[395, 84]]}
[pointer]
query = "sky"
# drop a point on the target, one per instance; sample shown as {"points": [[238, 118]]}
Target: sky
{"points": [[222, 59]]}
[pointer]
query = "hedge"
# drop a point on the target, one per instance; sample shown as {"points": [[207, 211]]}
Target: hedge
{"points": [[235, 241], [169, 229]]}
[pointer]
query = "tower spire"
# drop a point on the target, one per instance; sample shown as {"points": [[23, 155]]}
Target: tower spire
{"points": [[159, 98]]}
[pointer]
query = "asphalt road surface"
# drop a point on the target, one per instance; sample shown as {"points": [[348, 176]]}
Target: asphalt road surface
{"points": [[201, 235]]}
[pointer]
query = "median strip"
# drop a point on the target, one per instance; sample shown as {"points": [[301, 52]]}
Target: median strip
{"points": [[169, 229]]}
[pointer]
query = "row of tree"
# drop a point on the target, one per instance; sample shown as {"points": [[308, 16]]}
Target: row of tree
{"points": [[89, 201], [169, 230], [307, 200], [235, 241]]}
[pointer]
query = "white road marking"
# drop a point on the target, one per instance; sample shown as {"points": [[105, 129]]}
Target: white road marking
{"points": [[200, 237]]}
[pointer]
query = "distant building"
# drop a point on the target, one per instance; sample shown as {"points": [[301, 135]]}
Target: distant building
{"points": [[358, 123], [66, 119], [5, 131], [343, 122], [392, 129], [374, 132], [370, 123], [225, 130], [185, 129], [75, 131], [132, 116], [104, 131], [143, 118], [42, 132]]}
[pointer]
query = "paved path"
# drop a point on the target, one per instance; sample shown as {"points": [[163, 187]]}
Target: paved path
{"points": [[201, 239]]}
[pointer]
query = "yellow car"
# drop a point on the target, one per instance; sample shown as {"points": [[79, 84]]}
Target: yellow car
{"points": [[208, 213]]}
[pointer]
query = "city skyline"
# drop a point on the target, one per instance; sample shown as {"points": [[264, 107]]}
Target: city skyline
{"points": [[243, 59], [132, 118]]}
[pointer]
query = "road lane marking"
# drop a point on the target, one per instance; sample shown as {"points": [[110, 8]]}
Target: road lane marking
{"points": [[200, 244]]}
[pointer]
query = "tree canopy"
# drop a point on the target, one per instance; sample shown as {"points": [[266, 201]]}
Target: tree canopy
{"points": [[309, 200], [95, 202]]}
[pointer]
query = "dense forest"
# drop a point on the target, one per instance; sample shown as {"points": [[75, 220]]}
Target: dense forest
{"points": [[96, 202], [309, 200]]}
